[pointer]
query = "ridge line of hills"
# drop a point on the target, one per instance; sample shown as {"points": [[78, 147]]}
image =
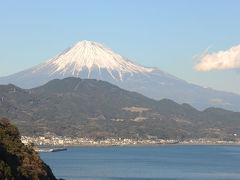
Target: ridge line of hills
{"points": [[93, 108], [92, 60]]}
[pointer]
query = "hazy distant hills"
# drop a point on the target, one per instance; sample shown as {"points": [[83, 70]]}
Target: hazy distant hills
{"points": [[95, 61], [92, 108]]}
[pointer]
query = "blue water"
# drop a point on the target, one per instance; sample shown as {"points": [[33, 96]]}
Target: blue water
{"points": [[146, 163]]}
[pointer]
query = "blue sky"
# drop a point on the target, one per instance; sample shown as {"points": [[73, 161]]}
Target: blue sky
{"points": [[164, 34]]}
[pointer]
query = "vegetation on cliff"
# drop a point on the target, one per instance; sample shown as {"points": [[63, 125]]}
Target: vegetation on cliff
{"points": [[17, 161]]}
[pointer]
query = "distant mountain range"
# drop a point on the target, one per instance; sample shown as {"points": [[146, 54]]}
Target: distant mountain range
{"points": [[94, 61], [93, 108]]}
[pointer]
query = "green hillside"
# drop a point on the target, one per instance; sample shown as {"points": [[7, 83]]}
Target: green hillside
{"points": [[92, 108], [17, 161]]}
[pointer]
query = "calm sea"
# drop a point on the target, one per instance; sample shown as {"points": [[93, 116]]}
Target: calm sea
{"points": [[146, 163]]}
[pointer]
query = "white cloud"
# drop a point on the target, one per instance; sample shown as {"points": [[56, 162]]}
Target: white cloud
{"points": [[229, 59]]}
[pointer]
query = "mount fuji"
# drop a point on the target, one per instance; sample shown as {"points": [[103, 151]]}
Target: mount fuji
{"points": [[92, 60]]}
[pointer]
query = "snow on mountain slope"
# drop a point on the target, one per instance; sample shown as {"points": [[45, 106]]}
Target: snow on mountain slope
{"points": [[91, 55], [95, 61]]}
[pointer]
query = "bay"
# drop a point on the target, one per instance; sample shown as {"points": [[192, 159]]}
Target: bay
{"points": [[146, 163]]}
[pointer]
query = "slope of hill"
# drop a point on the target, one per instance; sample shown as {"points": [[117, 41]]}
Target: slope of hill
{"points": [[17, 161], [95, 61], [91, 108]]}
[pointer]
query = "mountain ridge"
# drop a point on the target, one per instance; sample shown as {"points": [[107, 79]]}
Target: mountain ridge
{"points": [[95, 61], [91, 55], [91, 108]]}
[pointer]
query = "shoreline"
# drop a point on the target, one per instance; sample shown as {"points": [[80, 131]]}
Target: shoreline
{"points": [[136, 145], [58, 141]]}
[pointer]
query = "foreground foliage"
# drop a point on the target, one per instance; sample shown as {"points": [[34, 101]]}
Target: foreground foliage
{"points": [[17, 161]]}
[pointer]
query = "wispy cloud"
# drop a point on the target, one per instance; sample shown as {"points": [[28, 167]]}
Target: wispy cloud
{"points": [[229, 59]]}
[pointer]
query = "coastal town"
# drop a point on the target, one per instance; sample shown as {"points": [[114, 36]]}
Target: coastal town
{"points": [[83, 141]]}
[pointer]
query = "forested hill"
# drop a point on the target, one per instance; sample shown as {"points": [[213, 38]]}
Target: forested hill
{"points": [[92, 108], [17, 161]]}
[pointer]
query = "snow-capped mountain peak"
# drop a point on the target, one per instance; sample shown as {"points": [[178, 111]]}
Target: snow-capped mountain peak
{"points": [[91, 60], [91, 55]]}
